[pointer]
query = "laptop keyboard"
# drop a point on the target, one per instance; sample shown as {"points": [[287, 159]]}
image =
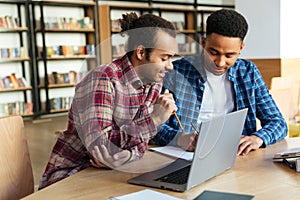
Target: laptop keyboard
{"points": [[177, 177]]}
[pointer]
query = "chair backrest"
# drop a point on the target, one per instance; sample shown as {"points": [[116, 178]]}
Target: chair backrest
{"points": [[283, 101], [15, 165], [291, 97]]}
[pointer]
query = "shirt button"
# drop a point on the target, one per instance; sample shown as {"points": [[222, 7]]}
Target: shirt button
{"points": [[201, 88]]}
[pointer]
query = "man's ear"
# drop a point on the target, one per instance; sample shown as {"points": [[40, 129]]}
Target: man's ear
{"points": [[203, 40], [140, 52], [242, 46]]}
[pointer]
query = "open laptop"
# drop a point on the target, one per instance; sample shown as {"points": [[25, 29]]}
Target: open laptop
{"points": [[215, 152]]}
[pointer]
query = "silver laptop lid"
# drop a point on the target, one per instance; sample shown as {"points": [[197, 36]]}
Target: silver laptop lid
{"points": [[217, 146]]}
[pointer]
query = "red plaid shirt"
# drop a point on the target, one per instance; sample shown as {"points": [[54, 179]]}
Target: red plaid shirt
{"points": [[111, 106]]}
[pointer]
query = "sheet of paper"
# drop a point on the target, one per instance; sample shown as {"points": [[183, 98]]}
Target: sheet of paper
{"points": [[174, 152], [145, 195]]}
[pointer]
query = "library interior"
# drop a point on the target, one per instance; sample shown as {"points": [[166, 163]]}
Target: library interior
{"points": [[49, 46]]}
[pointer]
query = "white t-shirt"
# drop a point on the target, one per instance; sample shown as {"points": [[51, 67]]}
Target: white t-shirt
{"points": [[217, 97]]}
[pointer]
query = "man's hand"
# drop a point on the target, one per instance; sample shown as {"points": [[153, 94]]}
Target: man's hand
{"points": [[248, 143], [163, 108], [104, 159], [187, 141]]}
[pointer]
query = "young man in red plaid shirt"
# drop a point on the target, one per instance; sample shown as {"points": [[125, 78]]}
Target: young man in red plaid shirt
{"points": [[118, 106]]}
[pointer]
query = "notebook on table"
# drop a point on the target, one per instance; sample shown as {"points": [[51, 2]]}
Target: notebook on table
{"points": [[215, 152]]}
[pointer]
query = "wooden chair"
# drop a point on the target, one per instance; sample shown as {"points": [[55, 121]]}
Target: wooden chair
{"points": [[15, 166], [283, 101], [281, 91], [290, 98]]}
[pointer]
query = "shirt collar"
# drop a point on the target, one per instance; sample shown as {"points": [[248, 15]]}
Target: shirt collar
{"points": [[197, 63], [130, 74]]}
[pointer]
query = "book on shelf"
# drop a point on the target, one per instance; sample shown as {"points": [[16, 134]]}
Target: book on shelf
{"points": [[118, 50], [73, 77], [16, 108], [20, 82], [59, 103], [9, 21], [90, 49], [4, 53], [14, 52], [2, 23], [2, 85], [54, 22], [65, 50], [86, 23], [115, 25], [7, 83], [179, 25], [60, 78], [12, 82], [189, 47], [24, 82]]}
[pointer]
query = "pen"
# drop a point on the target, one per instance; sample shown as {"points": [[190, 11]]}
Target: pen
{"points": [[195, 129], [176, 116], [291, 165], [178, 120]]}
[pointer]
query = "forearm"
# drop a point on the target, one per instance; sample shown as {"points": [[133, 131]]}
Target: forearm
{"points": [[273, 131], [132, 135]]}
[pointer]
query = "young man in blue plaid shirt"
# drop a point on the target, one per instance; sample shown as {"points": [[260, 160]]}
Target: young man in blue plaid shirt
{"points": [[216, 82]]}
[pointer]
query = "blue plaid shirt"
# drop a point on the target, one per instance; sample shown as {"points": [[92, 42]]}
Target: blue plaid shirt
{"points": [[186, 82]]}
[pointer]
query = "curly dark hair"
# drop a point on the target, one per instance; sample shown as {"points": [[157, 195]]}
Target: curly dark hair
{"points": [[142, 30], [227, 22]]}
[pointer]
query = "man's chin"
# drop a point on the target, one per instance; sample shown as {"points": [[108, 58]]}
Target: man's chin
{"points": [[219, 73]]}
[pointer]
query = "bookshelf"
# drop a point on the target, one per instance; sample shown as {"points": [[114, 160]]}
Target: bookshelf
{"points": [[42, 43], [188, 18], [184, 20], [17, 91], [111, 42], [65, 40]]}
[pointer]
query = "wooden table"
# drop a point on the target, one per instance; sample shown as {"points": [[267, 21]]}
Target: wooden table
{"points": [[254, 174]]}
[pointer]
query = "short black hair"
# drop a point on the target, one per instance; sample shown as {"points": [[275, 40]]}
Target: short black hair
{"points": [[228, 23]]}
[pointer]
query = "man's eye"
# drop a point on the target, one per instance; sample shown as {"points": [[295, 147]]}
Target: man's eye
{"points": [[214, 53], [230, 55]]}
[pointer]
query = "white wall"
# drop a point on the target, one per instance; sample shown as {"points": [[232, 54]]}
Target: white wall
{"points": [[229, 2], [274, 28], [263, 38], [290, 29]]}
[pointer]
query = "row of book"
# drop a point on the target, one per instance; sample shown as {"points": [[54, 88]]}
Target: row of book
{"points": [[16, 108], [115, 25], [67, 23], [60, 103], [118, 50], [65, 50], [60, 78], [9, 21], [13, 82], [189, 47], [16, 52], [179, 25]]}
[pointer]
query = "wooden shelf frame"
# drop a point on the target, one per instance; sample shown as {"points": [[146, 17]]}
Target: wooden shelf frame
{"points": [[24, 34], [90, 9]]}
